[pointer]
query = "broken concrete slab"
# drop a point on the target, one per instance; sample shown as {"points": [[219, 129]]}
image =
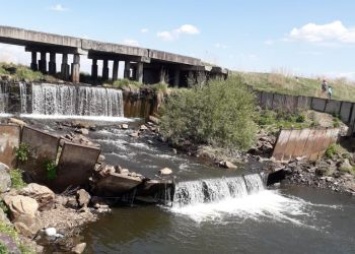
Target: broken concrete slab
{"points": [[9, 142]]}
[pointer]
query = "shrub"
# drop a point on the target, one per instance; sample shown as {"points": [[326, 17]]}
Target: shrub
{"points": [[51, 169], [22, 152], [16, 179], [220, 114], [331, 151]]}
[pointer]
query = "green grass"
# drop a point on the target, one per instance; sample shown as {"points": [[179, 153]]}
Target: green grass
{"points": [[16, 179], [281, 82], [124, 83], [10, 231], [21, 72]]}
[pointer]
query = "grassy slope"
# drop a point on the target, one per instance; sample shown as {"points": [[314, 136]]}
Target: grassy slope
{"points": [[275, 82]]}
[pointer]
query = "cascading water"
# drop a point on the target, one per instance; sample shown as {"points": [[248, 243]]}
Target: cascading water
{"points": [[215, 190], [4, 97], [68, 100]]}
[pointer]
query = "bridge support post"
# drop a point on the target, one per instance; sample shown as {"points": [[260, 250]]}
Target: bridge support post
{"points": [[105, 70], [52, 64], [115, 70], [75, 69], [42, 63], [34, 65], [127, 69], [65, 67], [94, 69], [176, 78], [139, 72]]}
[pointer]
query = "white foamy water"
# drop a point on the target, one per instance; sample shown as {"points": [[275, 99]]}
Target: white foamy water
{"points": [[91, 118], [237, 199]]}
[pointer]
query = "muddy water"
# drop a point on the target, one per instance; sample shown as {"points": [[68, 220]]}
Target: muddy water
{"points": [[285, 220]]}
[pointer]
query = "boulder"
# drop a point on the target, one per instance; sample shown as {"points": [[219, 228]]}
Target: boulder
{"points": [[134, 134], [20, 205], [143, 128], [165, 171], [17, 121], [83, 131], [227, 164], [83, 198], [79, 248], [346, 166], [42, 194], [154, 119], [5, 179], [124, 126]]}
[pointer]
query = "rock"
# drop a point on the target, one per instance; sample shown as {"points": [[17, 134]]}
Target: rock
{"points": [[101, 158], [143, 128], [165, 171], [28, 225], [124, 126], [83, 198], [154, 119], [107, 170], [42, 194], [5, 179], [3, 217], [17, 121], [134, 134], [83, 131], [10, 244], [227, 164], [79, 248], [346, 166], [21, 205], [174, 150]]}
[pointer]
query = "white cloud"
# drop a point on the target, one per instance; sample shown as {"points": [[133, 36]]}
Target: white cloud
{"points": [[14, 54], [131, 42], [220, 45], [176, 33], [58, 7], [326, 33], [144, 30]]}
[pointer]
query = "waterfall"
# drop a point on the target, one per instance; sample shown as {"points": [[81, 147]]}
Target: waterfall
{"points": [[4, 97], [48, 99], [214, 190], [23, 97]]}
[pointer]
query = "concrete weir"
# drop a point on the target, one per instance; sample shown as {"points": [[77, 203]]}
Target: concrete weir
{"points": [[141, 64]]}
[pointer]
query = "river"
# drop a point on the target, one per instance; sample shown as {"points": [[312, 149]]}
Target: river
{"points": [[288, 219]]}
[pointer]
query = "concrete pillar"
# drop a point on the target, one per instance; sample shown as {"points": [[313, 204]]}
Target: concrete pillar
{"points": [[75, 69], [34, 65], [176, 78], [139, 72], [65, 67], [105, 70], [127, 71], [115, 70], [162, 75], [42, 63], [52, 64], [94, 69]]}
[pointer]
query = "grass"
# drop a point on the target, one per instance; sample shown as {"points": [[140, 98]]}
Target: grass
{"points": [[21, 72], [126, 83], [16, 179], [283, 82], [11, 232]]}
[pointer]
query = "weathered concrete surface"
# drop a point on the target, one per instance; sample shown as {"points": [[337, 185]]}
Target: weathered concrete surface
{"points": [[42, 148], [345, 111], [333, 107], [308, 143], [9, 142], [75, 166], [175, 58], [267, 100], [318, 104], [24, 37]]}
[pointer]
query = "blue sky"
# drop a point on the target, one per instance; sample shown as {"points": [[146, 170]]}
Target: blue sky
{"points": [[310, 38]]}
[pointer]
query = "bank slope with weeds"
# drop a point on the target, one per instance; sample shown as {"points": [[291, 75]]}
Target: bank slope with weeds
{"points": [[219, 114]]}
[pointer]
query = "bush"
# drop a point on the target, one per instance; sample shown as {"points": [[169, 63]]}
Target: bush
{"points": [[16, 179], [218, 114]]}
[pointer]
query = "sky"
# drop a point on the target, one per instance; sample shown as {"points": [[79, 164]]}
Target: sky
{"points": [[294, 37]]}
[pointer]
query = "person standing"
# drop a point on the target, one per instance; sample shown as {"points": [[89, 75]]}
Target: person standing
{"points": [[330, 92], [324, 86]]}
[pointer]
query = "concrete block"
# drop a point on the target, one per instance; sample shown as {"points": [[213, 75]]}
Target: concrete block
{"points": [[332, 107], [42, 148], [345, 111], [75, 166], [318, 104]]}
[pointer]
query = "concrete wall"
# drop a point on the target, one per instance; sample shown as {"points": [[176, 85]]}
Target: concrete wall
{"points": [[42, 148], [169, 57], [9, 142], [74, 166], [307, 143]]}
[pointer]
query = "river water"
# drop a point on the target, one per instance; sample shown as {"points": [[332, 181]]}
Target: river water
{"points": [[214, 211], [247, 218]]}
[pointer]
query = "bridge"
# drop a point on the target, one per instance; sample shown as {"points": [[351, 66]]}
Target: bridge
{"points": [[141, 64]]}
